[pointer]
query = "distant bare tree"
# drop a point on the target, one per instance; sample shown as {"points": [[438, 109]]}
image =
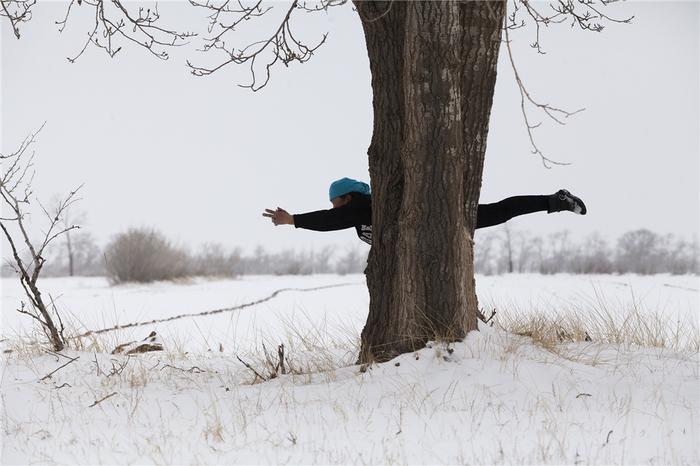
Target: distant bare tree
{"points": [[213, 260], [320, 261], [16, 192], [639, 251], [70, 217], [87, 257], [353, 261], [682, 255], [561, 252], [484, 252], [508, 248], [595, 256], [524, 247]]}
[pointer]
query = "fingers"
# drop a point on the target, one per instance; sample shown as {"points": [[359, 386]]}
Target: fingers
{"points": [[275, 215]]}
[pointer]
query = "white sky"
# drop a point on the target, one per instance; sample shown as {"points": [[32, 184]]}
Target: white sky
{"points": [[200, 158]]}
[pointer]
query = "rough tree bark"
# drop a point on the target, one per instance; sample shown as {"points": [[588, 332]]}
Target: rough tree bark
{"points": [[433, 67]]}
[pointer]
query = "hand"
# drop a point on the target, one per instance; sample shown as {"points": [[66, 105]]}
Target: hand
{"points": [[279, 216]]}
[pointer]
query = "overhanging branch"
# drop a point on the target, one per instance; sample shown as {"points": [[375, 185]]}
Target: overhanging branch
{"points": [[280, 45]]}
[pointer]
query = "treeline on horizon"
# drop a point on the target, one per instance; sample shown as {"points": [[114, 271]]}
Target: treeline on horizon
{"points": [[146, 255]]}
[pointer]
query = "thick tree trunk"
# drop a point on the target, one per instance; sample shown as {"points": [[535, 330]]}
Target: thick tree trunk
{"points": [[433, 68]]}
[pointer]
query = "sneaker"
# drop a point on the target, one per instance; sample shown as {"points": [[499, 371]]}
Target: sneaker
{"points": [[564, 200]]}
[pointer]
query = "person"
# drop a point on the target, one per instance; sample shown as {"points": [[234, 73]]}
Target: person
{"points": [[352, 207]]}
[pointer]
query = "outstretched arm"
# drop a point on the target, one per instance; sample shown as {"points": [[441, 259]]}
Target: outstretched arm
{"points": [[322, 220], [339, 218]]}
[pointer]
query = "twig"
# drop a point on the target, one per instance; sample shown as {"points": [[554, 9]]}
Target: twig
{"points": [[57, 354], [97, 367], [191, 370], [607, 439], [154, 366], [117, 369], [72, 360], [280, 355], [251, 368], [102, 399], [483, 318]]}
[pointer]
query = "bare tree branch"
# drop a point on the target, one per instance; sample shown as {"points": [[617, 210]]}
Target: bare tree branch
{"points": [[587, 14], [556, 114], [112, 19], [280, 45], [17, 11]]}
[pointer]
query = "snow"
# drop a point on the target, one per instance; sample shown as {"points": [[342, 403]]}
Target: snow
{"points": [[495, 398]]}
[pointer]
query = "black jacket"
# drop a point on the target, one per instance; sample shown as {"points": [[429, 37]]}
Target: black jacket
{"points": [[356, 213]]}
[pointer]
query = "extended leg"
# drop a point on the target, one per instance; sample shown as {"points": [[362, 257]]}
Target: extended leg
{"points": [[500, 212]]}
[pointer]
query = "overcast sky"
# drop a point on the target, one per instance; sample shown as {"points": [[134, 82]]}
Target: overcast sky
{"points": [[200, 158]]}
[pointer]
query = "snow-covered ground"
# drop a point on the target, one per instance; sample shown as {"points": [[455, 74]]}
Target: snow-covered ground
{"points": [[494, 398], [91, 304]]}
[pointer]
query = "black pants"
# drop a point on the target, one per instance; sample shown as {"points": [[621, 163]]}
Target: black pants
{"points": [[489, 215]]}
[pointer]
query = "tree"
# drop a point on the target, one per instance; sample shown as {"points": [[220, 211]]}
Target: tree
{"points": [[87, 257], [639, 251], [433, 67], [212, 259], [596, 255], [16, 192], [353, 261], [508, 245], [70, 217]]}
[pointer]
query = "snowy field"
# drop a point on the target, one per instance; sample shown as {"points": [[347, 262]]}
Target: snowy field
{"points": [[494, 398]]}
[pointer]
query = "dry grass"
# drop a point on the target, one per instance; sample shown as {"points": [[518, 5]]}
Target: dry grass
{"points": [[594, 321]]}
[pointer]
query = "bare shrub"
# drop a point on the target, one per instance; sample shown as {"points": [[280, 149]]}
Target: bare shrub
{"points": [[144, 255]]}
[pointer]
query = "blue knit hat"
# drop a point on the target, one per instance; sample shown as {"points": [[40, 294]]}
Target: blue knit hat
{"points": [[344, 186]]}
